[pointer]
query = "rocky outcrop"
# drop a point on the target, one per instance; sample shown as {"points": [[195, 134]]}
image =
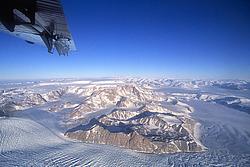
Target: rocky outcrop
{"points": [[120, 96], [139, 121], [125, 102], [142, 131], [133, 115], [53, 95], [35, 99]]}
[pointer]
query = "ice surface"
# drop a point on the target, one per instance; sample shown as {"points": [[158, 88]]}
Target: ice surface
{"points": [[34, 137]]}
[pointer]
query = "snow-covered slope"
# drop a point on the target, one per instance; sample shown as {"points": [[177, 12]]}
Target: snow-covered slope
{"points": [[33, 135]]}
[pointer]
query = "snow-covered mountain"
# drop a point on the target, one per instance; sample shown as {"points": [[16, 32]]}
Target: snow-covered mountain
{"points": [[193, 84], [201, 117], [143, 131]]}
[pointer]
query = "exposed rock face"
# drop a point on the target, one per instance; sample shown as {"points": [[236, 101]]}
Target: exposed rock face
{"points": [[20, 99], [139, 130], [121, 96], [100, 135], [35, 99], [129, 115], [125, 102], [139, 121], [54, 94]]}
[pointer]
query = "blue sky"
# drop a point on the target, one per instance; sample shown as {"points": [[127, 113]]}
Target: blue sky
{"points": [[147, 38]]}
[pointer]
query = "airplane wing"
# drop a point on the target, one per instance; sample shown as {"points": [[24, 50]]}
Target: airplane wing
{"points": [[37, 22]]}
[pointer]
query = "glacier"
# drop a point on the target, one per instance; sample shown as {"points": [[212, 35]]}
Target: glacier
{"points": [[35, 116]]}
